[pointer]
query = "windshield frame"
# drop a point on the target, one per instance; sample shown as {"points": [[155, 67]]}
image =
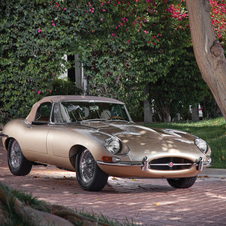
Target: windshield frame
{"points": [[89, 120]]}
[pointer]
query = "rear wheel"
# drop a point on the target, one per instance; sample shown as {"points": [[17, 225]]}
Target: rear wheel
{"points": [[182, 182], [90, 177], [17, 163]]}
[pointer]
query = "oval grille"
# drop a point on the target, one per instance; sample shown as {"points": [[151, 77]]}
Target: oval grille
{"points": [[171, 163]]}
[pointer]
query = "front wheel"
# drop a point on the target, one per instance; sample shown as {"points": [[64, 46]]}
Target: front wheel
{"points": [[18, 164], [182, 182], [90, 177]]}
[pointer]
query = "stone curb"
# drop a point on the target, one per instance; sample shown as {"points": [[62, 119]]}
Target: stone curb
{"points": [[214, 173]]}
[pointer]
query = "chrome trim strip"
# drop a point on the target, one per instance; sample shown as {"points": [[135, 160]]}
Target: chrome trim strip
{"points": [[175, 164], [145, 164], [205, 164], [120, 163], [200, 165]]}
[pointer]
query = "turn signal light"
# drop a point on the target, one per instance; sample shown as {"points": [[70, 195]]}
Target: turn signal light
{"points": [[110, 159], [106, 159]]}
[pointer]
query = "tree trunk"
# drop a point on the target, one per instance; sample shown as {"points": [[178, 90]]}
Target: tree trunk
{"points": [[208, 51]]}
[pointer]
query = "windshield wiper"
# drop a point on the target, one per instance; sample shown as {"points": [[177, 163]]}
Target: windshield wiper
{"points": [[117, 120], [93, 119]]}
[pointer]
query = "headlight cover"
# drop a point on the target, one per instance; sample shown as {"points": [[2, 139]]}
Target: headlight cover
{"points": [[201, 144], [112, 144]]}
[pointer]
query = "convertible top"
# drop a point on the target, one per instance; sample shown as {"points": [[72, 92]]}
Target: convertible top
{"points": [[58, 98]]}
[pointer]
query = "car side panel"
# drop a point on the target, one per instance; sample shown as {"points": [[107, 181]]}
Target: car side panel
{"points": [[61, 140], [35, 138], [14, 129], [33, 143]]}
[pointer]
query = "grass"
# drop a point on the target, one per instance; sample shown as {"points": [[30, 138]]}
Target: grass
{"points": [[14, 220], [213, 131], [12, 217], [106, 220]]}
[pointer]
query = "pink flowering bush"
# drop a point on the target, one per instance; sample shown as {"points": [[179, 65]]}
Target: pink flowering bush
{"points": [[218, 19], [123, 46]]}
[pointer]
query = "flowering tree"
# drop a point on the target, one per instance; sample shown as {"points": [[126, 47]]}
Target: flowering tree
{"points": [[208, 51], [183, 85], [145, 46], [154, 29], [123, 45], [120, 43], [218, 19]]}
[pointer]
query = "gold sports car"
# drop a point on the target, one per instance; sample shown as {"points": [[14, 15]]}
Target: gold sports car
{"points": [[96, 137]]}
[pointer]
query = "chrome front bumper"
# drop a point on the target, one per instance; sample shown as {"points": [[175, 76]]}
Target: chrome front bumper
{"points": [[144, 164]]}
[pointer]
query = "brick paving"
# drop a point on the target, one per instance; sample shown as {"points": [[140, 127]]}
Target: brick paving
{"points": [[145, 202]]}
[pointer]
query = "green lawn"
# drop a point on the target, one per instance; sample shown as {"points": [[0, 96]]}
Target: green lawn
{"points": [[213, 131]]}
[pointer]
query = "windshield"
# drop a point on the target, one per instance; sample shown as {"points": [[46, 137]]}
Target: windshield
{"points": [[66, 112]]}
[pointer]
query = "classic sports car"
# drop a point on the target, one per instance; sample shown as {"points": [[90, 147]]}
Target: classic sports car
{"points": [[96, 137]]}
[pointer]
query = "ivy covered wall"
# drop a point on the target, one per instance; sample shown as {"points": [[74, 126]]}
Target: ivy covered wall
{"points": [[123, 46]]}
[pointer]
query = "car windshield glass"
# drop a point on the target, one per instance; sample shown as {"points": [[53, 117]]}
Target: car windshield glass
{"points": [[66, 112]]}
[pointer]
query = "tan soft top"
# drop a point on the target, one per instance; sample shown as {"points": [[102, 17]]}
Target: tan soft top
{"points": [[53, 99]]}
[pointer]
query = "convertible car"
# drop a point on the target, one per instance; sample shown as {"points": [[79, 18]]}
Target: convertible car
{"points": [[96, 137]]}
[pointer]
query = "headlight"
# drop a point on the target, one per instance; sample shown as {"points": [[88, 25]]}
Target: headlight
{"points": [[201, 144], [112, 145]]}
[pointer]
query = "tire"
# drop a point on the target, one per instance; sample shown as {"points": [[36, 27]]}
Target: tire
{"points": [[18, 164], [90, 177], [182, 182]]}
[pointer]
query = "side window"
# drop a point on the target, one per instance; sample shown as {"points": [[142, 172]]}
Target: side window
{"points": [[119, 110], [43, 112]]}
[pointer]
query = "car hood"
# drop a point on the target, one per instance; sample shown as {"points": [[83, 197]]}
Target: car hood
{"points": [[143, 141], [131, 131]]}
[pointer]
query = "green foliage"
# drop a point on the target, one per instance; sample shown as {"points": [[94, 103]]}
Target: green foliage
{"points": [[210, 108], [12, 219], [35, 35], [142, 47], [33, 38], [64, 87], [28, 58], [183, 86], [101, 218], [123, 45], [28, 199]]}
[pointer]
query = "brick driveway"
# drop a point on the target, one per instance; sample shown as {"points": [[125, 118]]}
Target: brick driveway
{"points": [[146, 202]]}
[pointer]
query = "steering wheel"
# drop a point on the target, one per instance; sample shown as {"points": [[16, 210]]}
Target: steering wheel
{"points": [[117, 117]]}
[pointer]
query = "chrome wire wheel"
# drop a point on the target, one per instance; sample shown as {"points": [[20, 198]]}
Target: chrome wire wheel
{"points": [[87, 166], [89, 176], [17, 163], [15, 155]]}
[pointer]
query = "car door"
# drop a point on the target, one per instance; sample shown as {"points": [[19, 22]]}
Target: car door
{"points": [[37, 132]]}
